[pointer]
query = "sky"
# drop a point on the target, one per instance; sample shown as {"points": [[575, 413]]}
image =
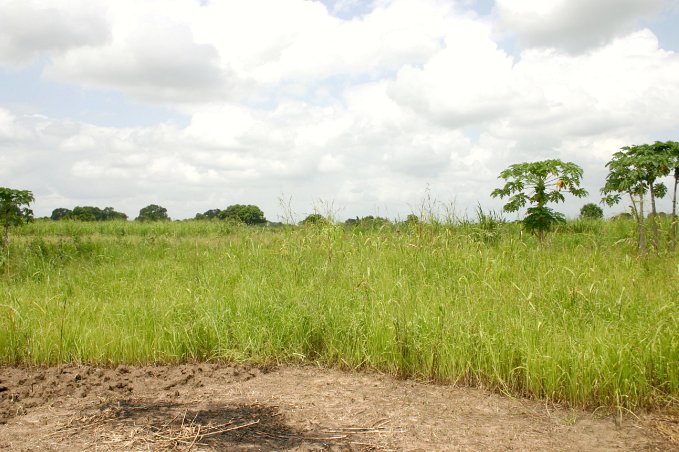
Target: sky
{"points": [[342, 107]]}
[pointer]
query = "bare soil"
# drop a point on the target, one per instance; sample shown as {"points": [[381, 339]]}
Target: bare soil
{"points": [[206, 406]]}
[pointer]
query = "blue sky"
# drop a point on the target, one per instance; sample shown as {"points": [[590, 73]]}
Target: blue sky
{"points": [[25, 91], [347, 107]]}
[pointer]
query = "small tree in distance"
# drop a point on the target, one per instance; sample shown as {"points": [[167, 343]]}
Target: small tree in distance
{"points": [[60, 213], [316, 218], [12, 210], [591, 211], [412, 219], [212, 214], [537, 184], [153, 212], [247, 214]]}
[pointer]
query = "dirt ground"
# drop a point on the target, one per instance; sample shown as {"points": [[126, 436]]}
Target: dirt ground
{"points": [[233, 407]]}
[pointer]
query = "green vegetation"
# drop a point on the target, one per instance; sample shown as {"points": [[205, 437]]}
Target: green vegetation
{"points": [[238, 213], [87, 213], [529, 183], [670, 149], [315, 218], [591, 211], [153, 212], [247, 214], [369, 222], [14, 210], [583, 321], [634, 171]]}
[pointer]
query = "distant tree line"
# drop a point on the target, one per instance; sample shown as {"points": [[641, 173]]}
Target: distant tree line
{"points": [[87, 213], [247, 214], [240, 213], [151, 212], [364, 222], [368, 222]]}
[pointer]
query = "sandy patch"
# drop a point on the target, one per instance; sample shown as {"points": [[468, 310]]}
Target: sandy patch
{"points": [[234, 407]]}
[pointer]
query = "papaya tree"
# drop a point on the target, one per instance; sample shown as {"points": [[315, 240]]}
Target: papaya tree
{"points": [[668, 152], [673, 150], [537, 184], [653, 159], [634, 170], [625, 178], [668, 156], [14, 210]]}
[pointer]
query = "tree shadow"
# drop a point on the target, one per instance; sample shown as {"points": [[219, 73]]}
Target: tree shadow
{"points": [[237, 426]]}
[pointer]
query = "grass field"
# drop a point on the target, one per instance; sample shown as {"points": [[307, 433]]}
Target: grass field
{"points": [[584, 321]]}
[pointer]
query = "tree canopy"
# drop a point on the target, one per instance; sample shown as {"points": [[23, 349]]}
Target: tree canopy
{"points": [[60, 213], [536, 184], [634, 171], [314, 218], [212, 214], [14, 209], [153, 212], [241, 213], [591, 211]]}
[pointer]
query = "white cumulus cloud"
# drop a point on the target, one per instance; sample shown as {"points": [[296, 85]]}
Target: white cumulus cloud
{"points": [[284, 98], [31, 28], [573, 25]]}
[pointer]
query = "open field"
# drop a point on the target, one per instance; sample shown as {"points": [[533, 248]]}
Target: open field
{"points": [[584, 322]]}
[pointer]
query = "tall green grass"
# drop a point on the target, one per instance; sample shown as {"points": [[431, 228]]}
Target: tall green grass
{"points": [[583, 321]]}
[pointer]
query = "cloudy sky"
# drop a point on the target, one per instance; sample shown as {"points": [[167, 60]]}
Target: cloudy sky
{"points": [[358, 107]]}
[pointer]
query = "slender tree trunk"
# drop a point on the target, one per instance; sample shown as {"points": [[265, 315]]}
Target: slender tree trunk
{"points": [[654, 224], [639, 213], [635, 211], [673, 242], [642, 225], [5, 236]]}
